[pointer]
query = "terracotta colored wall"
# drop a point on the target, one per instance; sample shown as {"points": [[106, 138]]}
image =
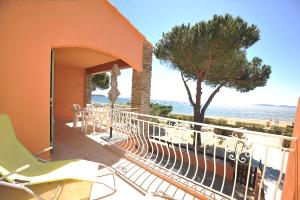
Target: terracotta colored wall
{"points": [[68, 89], [291, 187], [29, 29]]}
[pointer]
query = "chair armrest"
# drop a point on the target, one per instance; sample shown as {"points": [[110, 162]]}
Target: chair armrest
{"points": [[43, 151], [15, 171]]}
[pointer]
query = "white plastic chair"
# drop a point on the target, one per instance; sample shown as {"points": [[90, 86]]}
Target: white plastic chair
{"points": [[104, 117], [76, 108], [90, 117], [90, 107]]}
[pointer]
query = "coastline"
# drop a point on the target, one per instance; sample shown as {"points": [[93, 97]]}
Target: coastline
{"points": [[258, 114], [233, 120]]}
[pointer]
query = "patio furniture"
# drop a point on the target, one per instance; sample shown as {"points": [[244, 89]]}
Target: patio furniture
{"points": [[90, 107], [76, 108], [19, 168], [104, 117], [96, 116], [89, 118]]}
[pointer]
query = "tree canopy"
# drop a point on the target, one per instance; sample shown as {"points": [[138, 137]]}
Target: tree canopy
{"points": [[213, 52], [100, 81]]}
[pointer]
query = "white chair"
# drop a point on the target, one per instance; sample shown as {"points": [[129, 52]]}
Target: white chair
{"points": [[90, 117], [76, 108], [90, 107], [104, 117]]}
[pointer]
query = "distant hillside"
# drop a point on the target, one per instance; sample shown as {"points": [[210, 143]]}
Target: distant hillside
{"points": [[99, 95], [271, 105]]}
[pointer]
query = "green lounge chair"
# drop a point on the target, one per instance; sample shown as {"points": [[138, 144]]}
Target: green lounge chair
{"points": [[19, 168]]}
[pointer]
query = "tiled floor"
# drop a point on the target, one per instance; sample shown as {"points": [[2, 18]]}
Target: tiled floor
{"points": [[132, 182], [70, 143]]}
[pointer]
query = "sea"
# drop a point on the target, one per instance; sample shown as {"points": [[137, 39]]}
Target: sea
{"points": [[260, 112]]}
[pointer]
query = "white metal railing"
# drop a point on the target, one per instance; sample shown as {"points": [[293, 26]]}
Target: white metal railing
{"points": [[220, 166], [122, 107]]}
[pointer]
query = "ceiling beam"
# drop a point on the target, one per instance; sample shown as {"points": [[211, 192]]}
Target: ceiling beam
{"points": [[107, 66]]}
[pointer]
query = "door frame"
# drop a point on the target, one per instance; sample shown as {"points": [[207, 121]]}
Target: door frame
{"points": [[52, 98]]}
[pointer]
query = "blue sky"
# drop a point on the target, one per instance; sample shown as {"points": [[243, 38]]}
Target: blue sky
{"points": [[279, 46]]}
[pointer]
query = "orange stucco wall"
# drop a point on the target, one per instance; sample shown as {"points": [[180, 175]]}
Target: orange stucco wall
{"points": [[29, 29], [291, 187], [68, 89]]}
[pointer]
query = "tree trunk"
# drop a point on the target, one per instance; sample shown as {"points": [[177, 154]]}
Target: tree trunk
{"points": [[197, 106], [209, 100], [197, 111]]}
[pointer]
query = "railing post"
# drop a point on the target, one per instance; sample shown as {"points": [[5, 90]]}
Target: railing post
{"points": [[291, 185], [257, 183]]}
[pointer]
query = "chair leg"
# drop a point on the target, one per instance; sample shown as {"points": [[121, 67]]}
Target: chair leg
{"points": [[108, 127], [82, 125], [32, 193], [21, 187], [75, 122], [100, 125], [85, 127], [94, 127], [112, 173], [55, 192]]}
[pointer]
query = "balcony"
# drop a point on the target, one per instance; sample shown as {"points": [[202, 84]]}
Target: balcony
{"points": [[239, 165], [220, 167], [162, 158], [132, 179]]}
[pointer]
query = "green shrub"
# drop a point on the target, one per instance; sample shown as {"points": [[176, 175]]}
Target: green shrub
{"points": [[287, 131], [219, 122], [287, 143], [208, 120], [160, 110], [250, 126], [277, 130], [181, 117], [222, 132], [240, 124]]}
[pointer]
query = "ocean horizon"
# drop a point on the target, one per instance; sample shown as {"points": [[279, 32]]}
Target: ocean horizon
{"points": [[257, 111]]}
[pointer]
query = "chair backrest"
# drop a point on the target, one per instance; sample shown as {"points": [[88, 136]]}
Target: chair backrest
{"points": [[76, 107], [12, 153], [90, 107]]}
